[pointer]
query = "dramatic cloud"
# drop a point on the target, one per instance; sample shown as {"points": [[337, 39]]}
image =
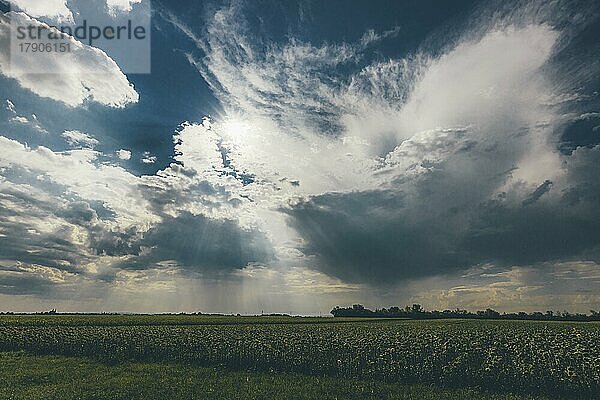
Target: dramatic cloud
{"points": [[408, 168], [69, 214], [202, 245], [381, 236], [450, 174]]}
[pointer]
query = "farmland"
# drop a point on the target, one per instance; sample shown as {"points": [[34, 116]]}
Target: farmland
{"points": [[523, 357]]}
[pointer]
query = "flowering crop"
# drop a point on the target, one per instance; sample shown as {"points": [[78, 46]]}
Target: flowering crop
{"points": [[518, 356]]}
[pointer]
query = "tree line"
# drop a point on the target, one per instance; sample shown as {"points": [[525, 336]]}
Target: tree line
{"points": [[416, 311]]}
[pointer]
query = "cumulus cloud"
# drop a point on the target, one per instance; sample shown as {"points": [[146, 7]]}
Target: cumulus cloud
{"points": [[404, 168], [124, 154], [55, 10], [67, 214], [30, 122], [77, 171], [51, 241], [201, 245], [120, 6], [77, 138], [15, 118], [329, 168], [46, 236], [148, 158], [83, 74]]}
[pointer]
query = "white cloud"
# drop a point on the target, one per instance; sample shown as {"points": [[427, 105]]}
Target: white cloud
{"points": [[83, 74], [120, 6], [202, 183], [587, 116], [20, 120], [477, 115], [370, 36], [481, 112], [148, 158], [31, 122], [77, 171], [77, 138], [124, 154], [56, 10], [289, 119]]}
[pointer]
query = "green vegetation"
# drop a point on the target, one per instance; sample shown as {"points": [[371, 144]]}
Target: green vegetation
{"points": [[27, 377], [162, 319], [527, 357], [416, 311]]}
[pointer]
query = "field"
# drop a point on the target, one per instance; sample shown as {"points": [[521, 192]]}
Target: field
{"points": [[327, 357]]}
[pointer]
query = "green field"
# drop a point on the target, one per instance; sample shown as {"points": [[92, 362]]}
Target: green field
{"points": [[278, 357], [29, 377]]}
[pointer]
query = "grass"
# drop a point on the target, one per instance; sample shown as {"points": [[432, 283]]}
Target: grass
{"points": [[29, 377]]}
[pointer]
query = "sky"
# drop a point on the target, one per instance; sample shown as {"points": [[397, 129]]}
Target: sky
{"points": [[291, 156]]}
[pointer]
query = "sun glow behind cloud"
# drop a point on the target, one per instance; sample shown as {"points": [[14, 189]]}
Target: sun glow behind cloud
{"points": [[331, 177], [484, 107]]}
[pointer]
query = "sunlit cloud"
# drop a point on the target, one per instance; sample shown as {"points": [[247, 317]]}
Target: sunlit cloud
{"points": [[329, 175]]}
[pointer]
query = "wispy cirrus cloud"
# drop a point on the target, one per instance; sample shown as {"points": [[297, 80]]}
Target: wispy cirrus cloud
{"points": [[334, 174], [394, 157]]}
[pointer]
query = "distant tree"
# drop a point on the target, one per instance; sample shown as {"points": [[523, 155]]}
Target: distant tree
{"points": [[416, 311], [536, 315]]}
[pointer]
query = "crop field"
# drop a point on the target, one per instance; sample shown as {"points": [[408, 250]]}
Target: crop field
{"points": [[556, 359]]}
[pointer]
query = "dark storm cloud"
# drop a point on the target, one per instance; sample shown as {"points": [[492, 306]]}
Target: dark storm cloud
{"points": [[383, 236], [20, 213], [530, 234], [14, 281], [52, 250], [370, 237], [45, 230], [195, 243], [200, 244]]}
